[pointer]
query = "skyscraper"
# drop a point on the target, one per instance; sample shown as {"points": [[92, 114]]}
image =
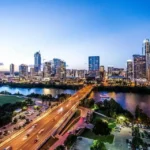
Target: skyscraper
{"points": [[12, 69], [146, 51], [129, 69], [110, 71], [139, 66], [37, 61], [59, 68], [47, 69], [23, 70], [31, 72], [102, 72], [56, 63], [94, 63]]}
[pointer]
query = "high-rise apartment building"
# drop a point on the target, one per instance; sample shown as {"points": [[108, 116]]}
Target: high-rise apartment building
{"points": [[117, 71], [37, 62], [47, 69], [94, 63], [32, 73], [146, 51], [130, 69], [23, 70], [12, 69], [59, 68], [109, 71], [139, 66], [102, 72]]}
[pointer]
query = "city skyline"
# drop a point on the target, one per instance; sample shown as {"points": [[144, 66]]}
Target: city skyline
{"points": [[72, 31]]}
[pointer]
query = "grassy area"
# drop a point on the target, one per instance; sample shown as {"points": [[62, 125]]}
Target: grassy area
{"points": [[48, 144], [111, 123], [9, 99], [89, 134]]}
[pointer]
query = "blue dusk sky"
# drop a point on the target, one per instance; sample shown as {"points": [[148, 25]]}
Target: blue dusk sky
{"points": [[72, 30]]}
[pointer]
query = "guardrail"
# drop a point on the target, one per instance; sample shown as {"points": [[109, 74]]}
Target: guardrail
{"points": [[33, 122], [57, 126]]}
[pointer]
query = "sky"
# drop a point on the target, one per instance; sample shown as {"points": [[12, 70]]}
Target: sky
{"points": [[72, 30]]}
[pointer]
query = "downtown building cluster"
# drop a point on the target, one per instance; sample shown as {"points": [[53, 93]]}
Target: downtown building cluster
{"points": [[45, 71], [138, 69], [41, 70]]}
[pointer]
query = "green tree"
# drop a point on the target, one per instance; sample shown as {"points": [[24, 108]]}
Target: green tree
{"points": [[60, 147], [101, 128], [15, 120], [70, 140], [98, 145], [136, 141], [136, 132], [137, 112]]}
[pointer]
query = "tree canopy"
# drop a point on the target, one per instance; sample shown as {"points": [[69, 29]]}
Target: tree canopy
{"points": [[98, 145], [101, 128]]}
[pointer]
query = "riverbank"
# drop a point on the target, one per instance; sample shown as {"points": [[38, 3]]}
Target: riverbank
{"points": [[42, 85], [124, 89]]}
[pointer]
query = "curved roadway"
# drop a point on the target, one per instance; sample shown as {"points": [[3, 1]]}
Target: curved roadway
{"points": [[47, 122]]}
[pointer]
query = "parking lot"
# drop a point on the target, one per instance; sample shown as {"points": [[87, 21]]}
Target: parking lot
{"points": [[82, 144], [120, 139], [12, 128]]}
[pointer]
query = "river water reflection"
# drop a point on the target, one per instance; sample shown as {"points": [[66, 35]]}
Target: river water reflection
{"points": [[26, 91], [126, 100]]}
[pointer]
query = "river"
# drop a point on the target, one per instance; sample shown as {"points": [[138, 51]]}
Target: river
{"points": [[27, 91], [126, 100]]}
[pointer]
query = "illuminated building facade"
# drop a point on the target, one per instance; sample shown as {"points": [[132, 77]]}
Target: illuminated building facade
{"points": [[139, 66], [94, 63], [102, 72], [12, 69], [146, 51], [47, 69], [130, 69], [59, 68], [23, 70], [37, 62], [109, 71]]}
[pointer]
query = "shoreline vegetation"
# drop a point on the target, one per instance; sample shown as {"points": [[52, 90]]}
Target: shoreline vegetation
{"points": [[118, 89], [41, 85], [7, 110], [124, 89]]}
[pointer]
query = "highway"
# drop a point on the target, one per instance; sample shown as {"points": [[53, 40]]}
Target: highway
{"points": [[47, 123]]}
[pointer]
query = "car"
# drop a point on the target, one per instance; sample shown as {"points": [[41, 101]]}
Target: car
{"points": [[79, 138], [34, 125], [36, 140], [129, 147], [8, 148], [130, 140], [140, 147], [40, 131]]}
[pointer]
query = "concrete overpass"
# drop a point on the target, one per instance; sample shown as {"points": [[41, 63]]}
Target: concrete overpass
{"points": [[49, 123]]}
